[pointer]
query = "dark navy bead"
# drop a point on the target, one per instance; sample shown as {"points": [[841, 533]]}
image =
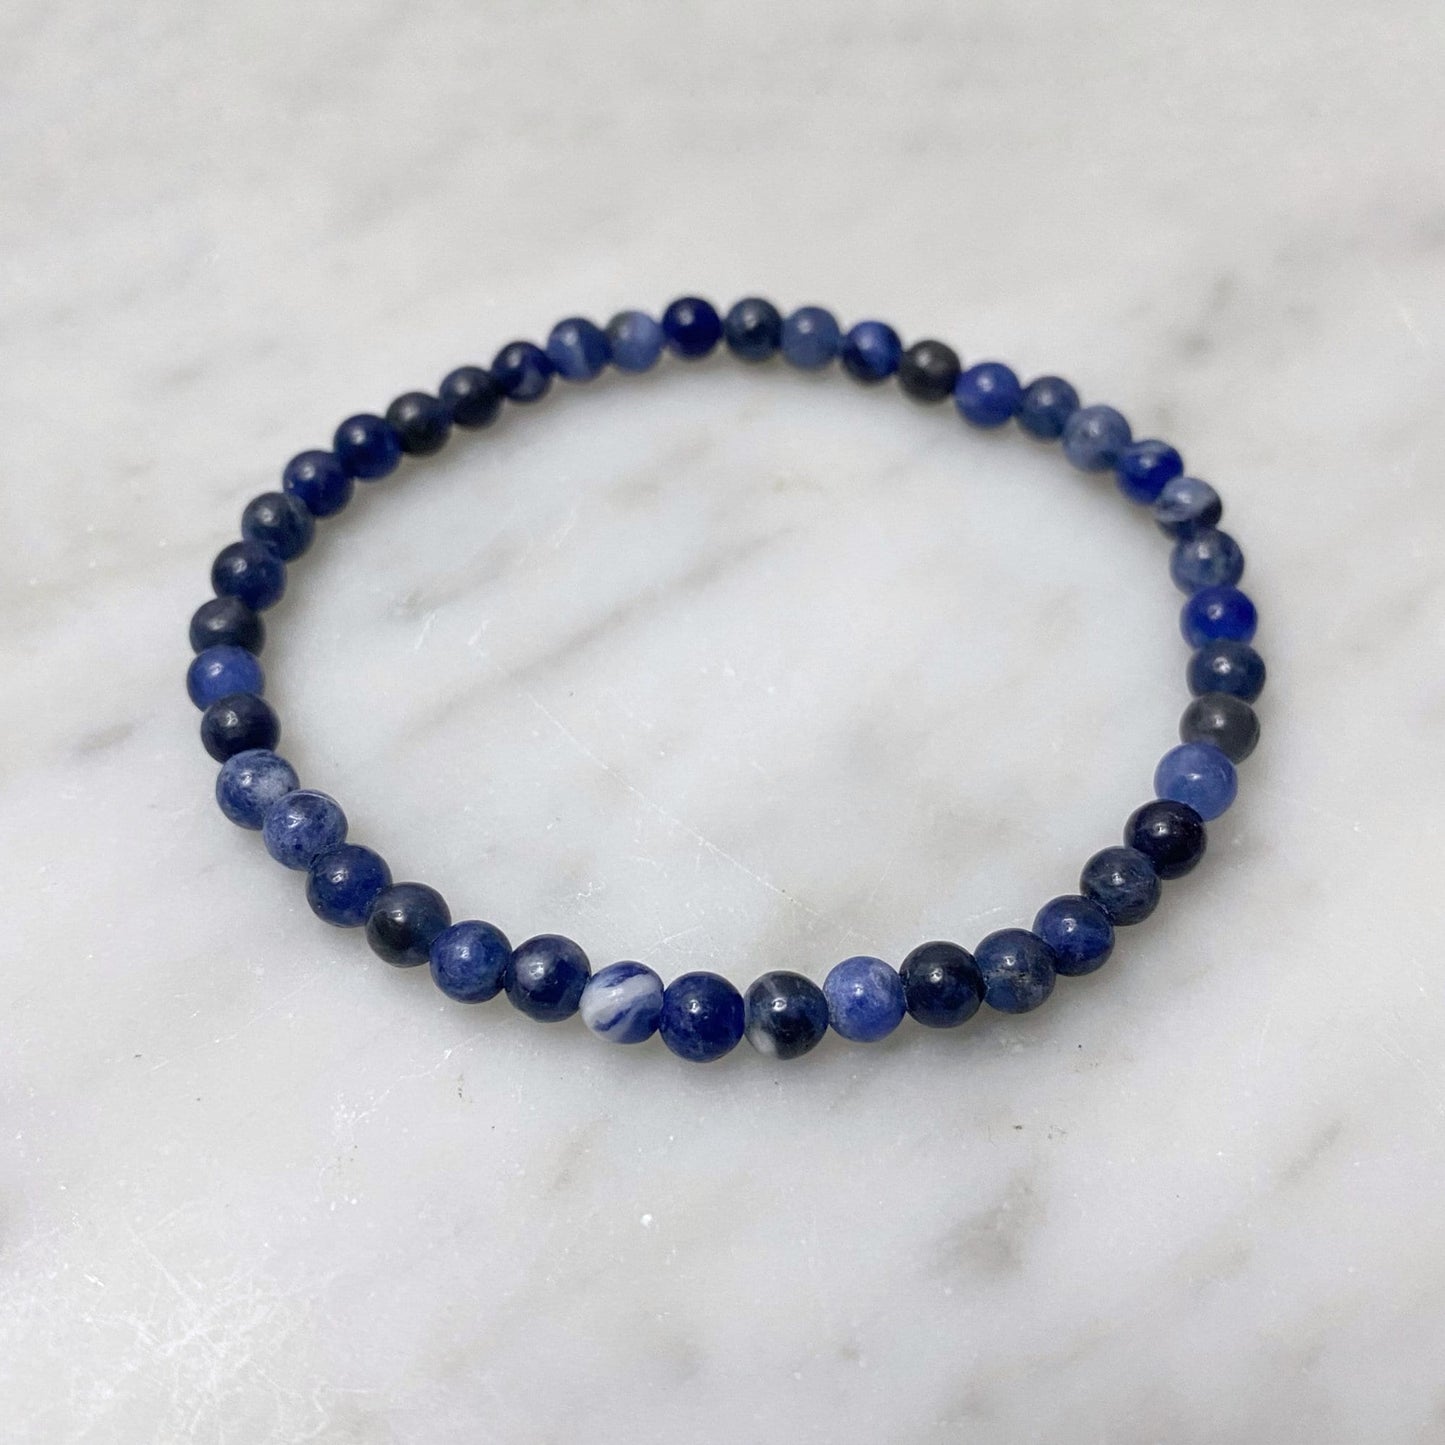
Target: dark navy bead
{"points": [[692, 327], [1170, 834], [1186, 506], [250, 782], [928, 370], [1217, 614], [404, 922], [343, 884], [1095, 438], [302, 826], [811, 338], [753, 329], [1018, 970], [318, 481], [237, 723], [786, 1014], [471, 396], [220, 671], [280, 522], [226, 622], [578, 349], [942, 986], [251, 571], [622, 1003], [1210, 558], [1226, 666], [545, 977], [1143, 469], [871, 352], [1122, 881], [523, 371], [1197, 774], [987, 394], [865, 999], [636, 341], [1078, 931], [469, 961], [702, 1017], [1046, 406], [367, 446], [1227, 722], [422, 422]]}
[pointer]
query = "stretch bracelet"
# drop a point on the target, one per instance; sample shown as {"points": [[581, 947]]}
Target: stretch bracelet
{"points": [[701, 1016]]}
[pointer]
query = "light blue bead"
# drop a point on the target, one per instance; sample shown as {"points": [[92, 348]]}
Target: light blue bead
{"points": [[301, 827], [636, 341], [469, 961], [622, 1003], [1186, 506], [1215, 614], [811, 338], [1197, 774], [220, 671], [1210, 558], [250, 782], [578, 349], [1095, 438], [865, 997]]}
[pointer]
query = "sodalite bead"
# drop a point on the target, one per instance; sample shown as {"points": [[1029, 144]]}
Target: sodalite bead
{"points": [[786, 1014], [469, 961], [942, 986], [871, 352], [1095, 438], [1046, 406], [302, 826], [1186, 506], [251, 571], [1122, 881], [1078, 931], [1197, 774], [281, 522], [1143, 469], [622, 1003], [422, 423], [237, 723], [249, 783], [226, 621], [811, 338], [865, 999], [343, 884], [692, 327], [1210, 558], [928, 370], [1227, 722], [404, 921], [1230, 667], [578, 349], [1018, 970], [987, 394], [702, 1017], [1218, 613], [523, 371], [1170, 834], [318, 481], [471, 396], [367, 446], [545, 977], [220, 671], [636, 341], [753, 329]]}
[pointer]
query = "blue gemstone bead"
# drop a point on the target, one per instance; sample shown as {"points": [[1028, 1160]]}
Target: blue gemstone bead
{"points": [[987, 394], [367, 446], [692, 327], [942, 986], [811, 338], [1095, 438], [422, 423], [318, 481], [1018, 970], [871, 352], [1078, 931], [1143, 469], [523, 371], [403, 923], [250, 782], [702, 1017], [280, 521], [786, 1015], [636, 341], [578, 349], [469, 961], [1122, 881], [343, 884], [471, 396], [622, 1003], [220, 671], [1200, 775], [1216, 613], [1046, 406], [545, 977], [302, 826], [865, 999], [1186, 506], [1210, 558], [251, 571], [236, 723], [753, 329], [1229, 667], [226, 621]]}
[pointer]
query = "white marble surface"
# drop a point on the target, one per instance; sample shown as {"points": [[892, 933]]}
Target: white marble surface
{"points": [[721, 669]]}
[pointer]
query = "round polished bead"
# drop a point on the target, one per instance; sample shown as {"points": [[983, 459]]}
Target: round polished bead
{"points": [[367, 446], [871, 352], [318, 481], [1227, 722], [1170, 834], [422, 422], [302, 826], [1210, 558], [471, 396], [753, 329], [404, 921], [1186, 506], [280, 522], [692, 327], [1226, 666], [469, 961], [865, 999], [928, 370], [1122, 881], [786, 1014], [237, 723], [987, 394], [702, 1017], [811, 338], [636, 341], [1215, 614], [523, 371], [226, 622], [1197, 774], [1046, 406], [942, 985], [220, 671], [622, 1003], [545, 977], [578, 349], [1143, 469], [1017, 968], [250, 782], [1078, 931], [343, 884], [251, 571], [1095, 438]]}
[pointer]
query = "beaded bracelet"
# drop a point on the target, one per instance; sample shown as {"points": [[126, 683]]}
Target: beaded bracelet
{"points": [[701, 1016]]}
